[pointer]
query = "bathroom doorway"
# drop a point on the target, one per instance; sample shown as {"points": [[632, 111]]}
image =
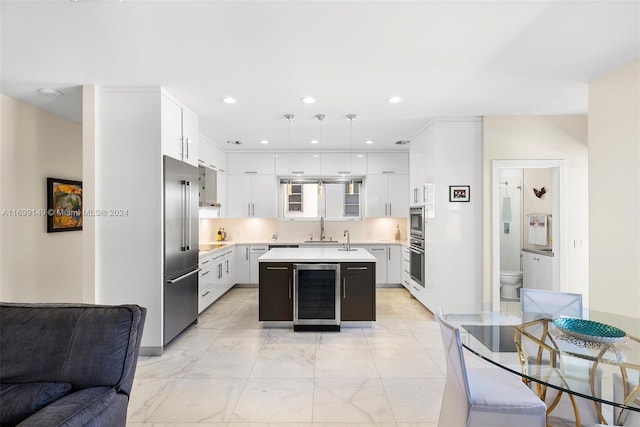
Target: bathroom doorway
{"points": [[510, 223]]}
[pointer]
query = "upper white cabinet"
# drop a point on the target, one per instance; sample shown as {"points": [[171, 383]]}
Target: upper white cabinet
{"points": [[307, 163], [252, 196], [422, 155], [251, 163], [387, 163], [178, 131], [387, 195], [210, 155], [336, 164]]}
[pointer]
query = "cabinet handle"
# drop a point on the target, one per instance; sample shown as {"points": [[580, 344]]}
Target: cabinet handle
{"points": [[356, 268], [253, 209], [389, 251], [250, 172], [204, 262], [344, 288], [388, 171], [385, 209], [206, 272], [188, 141], [298, 172], [343, 172], [247, 253], [424, 194], [227, 266], [212, 166], [206, 293], [289, 287], [277, 268], [390, 209]]}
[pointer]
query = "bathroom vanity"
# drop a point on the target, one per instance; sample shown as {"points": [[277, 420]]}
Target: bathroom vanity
{"points": [[317, 288]]}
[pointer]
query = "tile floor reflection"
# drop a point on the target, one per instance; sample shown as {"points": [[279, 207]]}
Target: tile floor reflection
{"points": [[230, 370]]}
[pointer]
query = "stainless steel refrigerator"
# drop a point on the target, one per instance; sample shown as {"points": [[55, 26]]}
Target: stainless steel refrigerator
{"points": [[180, 246]]}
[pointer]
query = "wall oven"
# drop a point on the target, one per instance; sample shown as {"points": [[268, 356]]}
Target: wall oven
{"points": [[416, 260], [416, 217], [316, 297]]}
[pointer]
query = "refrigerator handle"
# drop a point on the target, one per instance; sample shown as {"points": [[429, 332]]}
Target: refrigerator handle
{"points": [[187, 218], [177, 279], [183, 232]]}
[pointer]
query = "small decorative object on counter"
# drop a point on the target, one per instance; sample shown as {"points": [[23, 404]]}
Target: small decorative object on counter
{"points": [[219, 234], [398, 232], [224, 234]]}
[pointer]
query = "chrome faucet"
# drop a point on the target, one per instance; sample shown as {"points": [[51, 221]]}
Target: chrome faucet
{"points": [[346, 233], [321, 228]]}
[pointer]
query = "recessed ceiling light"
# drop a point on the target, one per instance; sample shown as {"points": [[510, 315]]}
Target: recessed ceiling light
{"points": [[228, 100], [394, 99], [316, 155], [308, 100], [264, 141], [368, 141], [314, 141], [49, 92], [360, 156]]}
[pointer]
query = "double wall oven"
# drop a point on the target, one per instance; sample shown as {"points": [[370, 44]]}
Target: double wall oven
{"points": [[416, 244]]}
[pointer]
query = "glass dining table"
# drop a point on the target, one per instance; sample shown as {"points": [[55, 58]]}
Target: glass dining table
{"points": [[596, 357]]}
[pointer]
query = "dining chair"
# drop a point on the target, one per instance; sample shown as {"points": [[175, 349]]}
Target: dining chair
{"points": [[483, 397], [541, 304]]}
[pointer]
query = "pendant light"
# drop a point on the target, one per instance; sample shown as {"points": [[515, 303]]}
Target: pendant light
{"points": [[320, 118], [289, 117], [351, 118]]}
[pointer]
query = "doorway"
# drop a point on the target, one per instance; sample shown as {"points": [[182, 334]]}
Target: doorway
{"points": [[509, 222]]}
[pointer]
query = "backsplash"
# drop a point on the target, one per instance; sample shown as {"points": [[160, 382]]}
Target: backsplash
{"points": [[261, 229]]}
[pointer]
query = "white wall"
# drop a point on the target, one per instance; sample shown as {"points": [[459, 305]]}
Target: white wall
{"points": [[614, 193], [36, 266], [543, 137]]}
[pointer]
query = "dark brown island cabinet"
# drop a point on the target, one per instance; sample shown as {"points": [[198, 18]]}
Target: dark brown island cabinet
{"points": [[358, 300], [275, 291], [357, 287]]}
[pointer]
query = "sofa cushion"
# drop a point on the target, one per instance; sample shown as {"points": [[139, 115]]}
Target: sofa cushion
{"points": [[19, 401], [80, 344]]}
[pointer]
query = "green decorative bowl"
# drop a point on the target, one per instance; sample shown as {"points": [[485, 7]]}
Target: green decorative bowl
{"points": [[590, 331]]}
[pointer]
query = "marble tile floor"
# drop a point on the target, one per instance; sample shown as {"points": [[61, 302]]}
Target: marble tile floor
{"points": [[230, 370]]}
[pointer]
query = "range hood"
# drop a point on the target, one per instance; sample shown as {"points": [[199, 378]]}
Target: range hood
{"points": [[208, 187]]}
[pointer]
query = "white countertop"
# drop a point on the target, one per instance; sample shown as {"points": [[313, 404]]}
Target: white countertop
{"points": [[316, 255]]}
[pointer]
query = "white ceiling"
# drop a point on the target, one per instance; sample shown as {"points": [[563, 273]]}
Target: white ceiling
{"points": [[444, 58]]}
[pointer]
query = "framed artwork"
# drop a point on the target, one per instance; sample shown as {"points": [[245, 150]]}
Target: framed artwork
{"points": [[459, 193], [64, 205]]}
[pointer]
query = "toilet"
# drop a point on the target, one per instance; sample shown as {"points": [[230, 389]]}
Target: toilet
{"points": [[510, 284]]}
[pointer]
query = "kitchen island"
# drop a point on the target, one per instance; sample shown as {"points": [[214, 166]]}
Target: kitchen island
{"points": [[280, 291]]}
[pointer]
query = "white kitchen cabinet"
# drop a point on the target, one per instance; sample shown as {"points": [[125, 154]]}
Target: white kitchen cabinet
{"points": [[252, 196], [222, 182], [251, 163], [255, 252], [209, 155], [344, 164], [537, 271], [387, 195], [420, 164], [406, 274], [298, 164], [394, 264], [380, 252], [205, 283], [242, 264], [386, 163], [178, 131]]}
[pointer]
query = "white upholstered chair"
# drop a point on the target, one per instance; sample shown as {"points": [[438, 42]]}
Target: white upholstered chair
{"points": [[484, 397], [539, 304]]}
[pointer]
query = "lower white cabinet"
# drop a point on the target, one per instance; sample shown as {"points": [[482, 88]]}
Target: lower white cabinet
{"points": [[537, 271], [242, 264], [255, 252], [388, 263], [216, 277], [405, 274]]}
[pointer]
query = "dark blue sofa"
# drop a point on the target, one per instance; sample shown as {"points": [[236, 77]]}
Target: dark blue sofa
{"points": [[67, 364]]}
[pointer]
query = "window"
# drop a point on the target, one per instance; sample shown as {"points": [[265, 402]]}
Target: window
{"points": [[330, 199]]}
